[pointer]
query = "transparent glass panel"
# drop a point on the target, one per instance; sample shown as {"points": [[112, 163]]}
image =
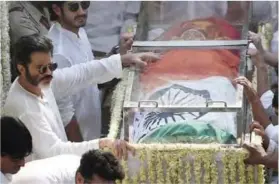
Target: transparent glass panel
{"points": [[193, 20], [190, 78], [195, 127]]}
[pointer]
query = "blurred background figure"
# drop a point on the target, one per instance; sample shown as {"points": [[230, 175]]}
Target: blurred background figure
{"points": [[27, 18], [104, 27]]}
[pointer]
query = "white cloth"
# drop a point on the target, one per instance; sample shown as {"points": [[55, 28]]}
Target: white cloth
{"points": [[5, 178], [55, 170], [267, 98], [272, 132], [107, 20], [274, 43], [163, 14], [272, 147], [69, 50], [216, 88], [41, 115]]}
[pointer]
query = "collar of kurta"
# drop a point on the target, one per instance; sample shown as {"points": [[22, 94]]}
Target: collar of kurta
{"points": [[43, 99], [5, 178], [68, 33]]}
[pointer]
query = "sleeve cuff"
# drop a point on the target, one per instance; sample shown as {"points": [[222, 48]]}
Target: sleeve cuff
{"points": [[117, 63], [97, 144]]}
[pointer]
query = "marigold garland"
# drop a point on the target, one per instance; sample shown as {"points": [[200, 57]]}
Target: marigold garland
{"points": [[188, 168], [143, 176], [241, 169], [167, 165], [126, 170], [225, 159], [213, 168], [181, 165], [160, 168], [250, 174], [207, 159], [152, 166], [260, 176], [232, 167], [197, 166]]}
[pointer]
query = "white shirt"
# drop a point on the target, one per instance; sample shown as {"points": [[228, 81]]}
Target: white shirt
{"points": [[274, 43], [266, 99], [107, 20], [272, 132], [69, 50], [41, 115], [55, 170], [5, 178]]}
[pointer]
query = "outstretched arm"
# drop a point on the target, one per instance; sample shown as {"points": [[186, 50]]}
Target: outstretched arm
{"points": [[47, 143], [68, 81]]}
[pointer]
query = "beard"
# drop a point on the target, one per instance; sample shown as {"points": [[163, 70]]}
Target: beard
{"points": [[81, 24], [73, 23], [37, 81]]}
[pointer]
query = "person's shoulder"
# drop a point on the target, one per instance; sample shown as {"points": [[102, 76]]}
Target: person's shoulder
{"points": [[15, 7], [17, 11], [18, 101], [55, 35], [54, 31], [65, 159], [56, 169]]}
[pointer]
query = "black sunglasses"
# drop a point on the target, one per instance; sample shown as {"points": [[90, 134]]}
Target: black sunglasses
{"points": [[51, 67], [73, 7]]}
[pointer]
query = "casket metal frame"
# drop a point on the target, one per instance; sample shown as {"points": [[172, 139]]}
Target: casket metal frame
{"points": [[132, 103], [184, 163]]}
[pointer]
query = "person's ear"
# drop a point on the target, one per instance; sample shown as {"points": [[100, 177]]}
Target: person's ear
{"points": [[21, 69], [56, 9], [79, 179]]}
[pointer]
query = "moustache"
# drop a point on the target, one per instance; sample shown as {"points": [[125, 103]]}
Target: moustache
{"points": [[47, 77], [81, 16]]}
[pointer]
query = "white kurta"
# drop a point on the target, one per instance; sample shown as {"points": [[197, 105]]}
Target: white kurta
{"points": [[107, 20], [69, 50], [41, 115], [59, 169], [5, 178]]}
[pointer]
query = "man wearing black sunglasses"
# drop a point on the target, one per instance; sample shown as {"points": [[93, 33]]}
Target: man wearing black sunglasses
{"points": [[31, 96], [71, 47]]}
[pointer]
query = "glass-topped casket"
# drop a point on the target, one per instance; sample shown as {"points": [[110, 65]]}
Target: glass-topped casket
{"points": [[188, 97], [203, 49]]}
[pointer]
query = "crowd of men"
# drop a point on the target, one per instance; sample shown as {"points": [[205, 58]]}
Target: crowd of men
{"points": [[53, 112]]}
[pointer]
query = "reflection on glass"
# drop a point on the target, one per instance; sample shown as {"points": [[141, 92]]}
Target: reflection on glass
{"points": [[158, 17], [186, 77]]}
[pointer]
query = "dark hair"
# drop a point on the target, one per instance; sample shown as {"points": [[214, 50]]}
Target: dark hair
{"points": [[275, 99], [27, 45], [16, 140], [102, 164], [53, 16]]}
